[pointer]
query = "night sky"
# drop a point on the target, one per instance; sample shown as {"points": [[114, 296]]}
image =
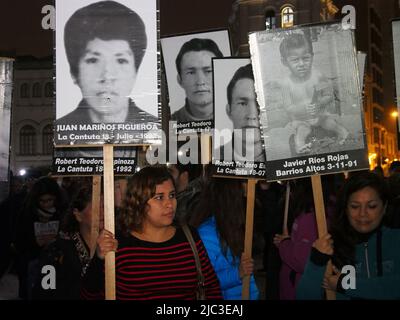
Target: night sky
{"points": [[21, 31]]}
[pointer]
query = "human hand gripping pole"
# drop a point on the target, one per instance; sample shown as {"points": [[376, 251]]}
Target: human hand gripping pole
{"points": [[106, 243], [246, 266], [248, 237], [322, 226]]}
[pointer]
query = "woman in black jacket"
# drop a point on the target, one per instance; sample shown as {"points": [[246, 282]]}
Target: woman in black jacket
{"points": [[70, 254]]}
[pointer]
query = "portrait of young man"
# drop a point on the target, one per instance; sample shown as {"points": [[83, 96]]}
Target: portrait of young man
{"points": [[105, 46], [188, 62], [240, 117]]}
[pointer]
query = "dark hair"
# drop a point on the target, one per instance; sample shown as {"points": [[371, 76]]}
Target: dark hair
{"points": [[245, 72], [194, 170], [394, 185], [394, 167], [393, 214], [197, 44], [42, 186], [79, 200], [106, 20], [294, 41], [141, 188], [223, 199], [344, 235], [301, 199]]}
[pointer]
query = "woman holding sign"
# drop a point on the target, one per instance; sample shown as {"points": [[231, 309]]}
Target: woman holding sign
{"points": [[221, 218], [154, 259], [360, 246], [70, 253]]}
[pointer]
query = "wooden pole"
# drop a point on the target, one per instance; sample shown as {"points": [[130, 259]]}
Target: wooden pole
{"points": [[109, 219], [321, 221], [285, 230], [96, 201], [205, 143], [319, 205], [248, 237]]}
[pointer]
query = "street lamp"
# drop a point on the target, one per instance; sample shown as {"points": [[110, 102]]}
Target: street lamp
{"points": [[395, 115]]}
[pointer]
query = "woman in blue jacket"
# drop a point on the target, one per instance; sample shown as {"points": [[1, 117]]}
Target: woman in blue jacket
{"points": [[220, 218], [360, 242]]}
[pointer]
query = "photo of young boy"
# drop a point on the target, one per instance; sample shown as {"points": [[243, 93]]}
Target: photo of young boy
{"points": [[307, 94], [308, 83], [309, 91]]}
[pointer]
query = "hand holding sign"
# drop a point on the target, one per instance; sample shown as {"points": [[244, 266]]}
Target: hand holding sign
{"points": [[324, 244], [106, 243]]}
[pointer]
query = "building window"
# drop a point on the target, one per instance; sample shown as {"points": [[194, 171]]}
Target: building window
{"points": [[24, 90], [36, 90], [376, 57], [47, 139], [287, 17], [376, 38], [378, 115], [376, 135], [377, 77], [375, 19], [270, 20], [27, 138], [48, 90], [377, 96]]}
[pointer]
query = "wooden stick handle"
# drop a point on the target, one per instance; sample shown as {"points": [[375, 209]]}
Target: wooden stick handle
{"points": [[248, 237], [205, 143], [285, 230], [109, 219], [96, 202], [321, 221], [319, 205]]}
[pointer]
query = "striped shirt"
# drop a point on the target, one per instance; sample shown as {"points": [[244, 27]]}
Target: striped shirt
{"points": [[167, 270]]}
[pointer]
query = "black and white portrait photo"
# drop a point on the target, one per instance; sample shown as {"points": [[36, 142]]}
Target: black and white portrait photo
{"points": [[6, 72], [4, 140], [107, 72], [188, 66], [362, 59], [237, 136], [396, 51], [308, 83]]}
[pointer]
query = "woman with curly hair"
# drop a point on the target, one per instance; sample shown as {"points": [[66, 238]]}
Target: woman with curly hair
{"points": [[154, 259]]}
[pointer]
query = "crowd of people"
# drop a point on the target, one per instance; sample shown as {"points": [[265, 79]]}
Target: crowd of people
{"points": [[180, 235]]}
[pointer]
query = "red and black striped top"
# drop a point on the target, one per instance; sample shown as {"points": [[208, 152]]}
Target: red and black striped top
{"points": [[167, 270]]}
